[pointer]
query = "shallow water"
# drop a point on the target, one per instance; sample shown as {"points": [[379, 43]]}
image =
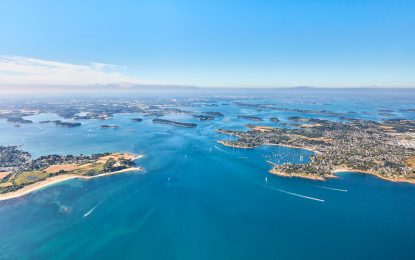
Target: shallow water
{"points": [[194, 201]]}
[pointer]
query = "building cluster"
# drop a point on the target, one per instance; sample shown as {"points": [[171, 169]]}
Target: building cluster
{"points": [[357, 144]]}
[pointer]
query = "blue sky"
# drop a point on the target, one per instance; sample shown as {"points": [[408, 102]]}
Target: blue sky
{"points": [[212, 43]]}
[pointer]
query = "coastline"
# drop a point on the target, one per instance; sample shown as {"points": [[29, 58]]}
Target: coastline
{"points": [[137, 157], [222, 142], [57, 179], [315, 177], [300, 175], [401, 180], [339, 170], [296, 147]]}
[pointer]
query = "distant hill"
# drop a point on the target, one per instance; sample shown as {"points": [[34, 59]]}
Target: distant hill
{"points": [[98, 88], [161, 89]]}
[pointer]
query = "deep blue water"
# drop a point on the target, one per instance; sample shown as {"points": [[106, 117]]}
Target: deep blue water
{"points": [[199, 200]]}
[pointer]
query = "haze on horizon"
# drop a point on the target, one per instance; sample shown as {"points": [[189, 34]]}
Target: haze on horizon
{"points": [[50, 45]]}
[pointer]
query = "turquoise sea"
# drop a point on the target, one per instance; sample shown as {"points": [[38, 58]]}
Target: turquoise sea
{"points": [[197, 199]]}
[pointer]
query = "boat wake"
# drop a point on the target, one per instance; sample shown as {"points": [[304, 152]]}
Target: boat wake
{"points": [[299, 195], [217, 148], [329, 188], [273, 164], [89, 212]]}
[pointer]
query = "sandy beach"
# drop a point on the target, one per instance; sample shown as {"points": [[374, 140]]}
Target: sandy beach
{"points": [[319, 178], [337, 170], [57, 179], [300, 175]]}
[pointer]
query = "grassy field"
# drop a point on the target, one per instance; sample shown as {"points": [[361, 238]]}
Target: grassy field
{"points": [[97, 167]]}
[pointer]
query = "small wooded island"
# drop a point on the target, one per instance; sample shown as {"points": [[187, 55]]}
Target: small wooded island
{"points": [[20, 174], [175, 123]]}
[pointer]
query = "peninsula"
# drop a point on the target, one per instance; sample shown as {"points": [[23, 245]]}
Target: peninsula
{"points": [[20, 174], [385, 149], [175, 123]]}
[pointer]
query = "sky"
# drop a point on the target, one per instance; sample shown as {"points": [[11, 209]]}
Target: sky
{"points": [[323, 43]]}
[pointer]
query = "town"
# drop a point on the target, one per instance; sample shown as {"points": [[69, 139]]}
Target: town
{"points": [[385, 149]]}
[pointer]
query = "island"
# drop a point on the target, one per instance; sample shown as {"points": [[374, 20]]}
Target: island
{"points": [[15, 119], [66, 124], [286, 109], [213, 113], [203, 117], [20, 174], [175, 123], [15, 116], [109, 126], [252, 118], [385, 149], [88, 108]]}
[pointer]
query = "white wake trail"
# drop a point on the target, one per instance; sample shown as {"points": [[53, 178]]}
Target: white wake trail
{"points": [[329, 188], [273, 164], [299, 195], [89, 212], [219, 148]]}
